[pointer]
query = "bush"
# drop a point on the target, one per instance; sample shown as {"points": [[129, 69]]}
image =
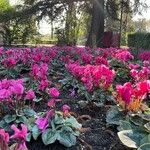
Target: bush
{"points": [[139, 40]]}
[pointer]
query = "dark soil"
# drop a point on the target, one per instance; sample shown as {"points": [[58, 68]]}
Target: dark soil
{"points": [[100, 137]]}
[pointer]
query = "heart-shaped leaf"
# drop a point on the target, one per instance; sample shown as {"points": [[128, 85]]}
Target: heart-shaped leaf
{"points": [[67, 138], [58, 119], [73, 122], [146, 117], [10, 118], [146, 139], [124, 125], [137, 120], [145, 146], [114, 116], [131, 138], [29, 112], [49, 136], [28, 138], [35, 132], [147, 126]]}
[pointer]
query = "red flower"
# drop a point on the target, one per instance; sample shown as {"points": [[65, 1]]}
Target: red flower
{"points": [[125, 92]]}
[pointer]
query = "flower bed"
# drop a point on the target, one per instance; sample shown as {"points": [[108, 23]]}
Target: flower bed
{"points": [[34, 83]]}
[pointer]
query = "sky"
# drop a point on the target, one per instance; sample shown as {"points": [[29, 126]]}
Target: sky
{"points": [[44, 27]]}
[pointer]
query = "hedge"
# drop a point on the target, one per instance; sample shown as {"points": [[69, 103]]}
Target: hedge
{"points": [[139, 40]]}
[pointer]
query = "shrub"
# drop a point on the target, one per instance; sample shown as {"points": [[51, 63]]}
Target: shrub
{"points": [[139, 40]]}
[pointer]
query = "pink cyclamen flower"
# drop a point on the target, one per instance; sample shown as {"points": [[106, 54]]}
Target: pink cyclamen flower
{"points": [[4, 94], [125, 92], [54, 92], [65, 109], [142, 89], [51, 103], [42, 122], [43, 84], [4, 135], [17, 89], [19, 134], [30, 95]]}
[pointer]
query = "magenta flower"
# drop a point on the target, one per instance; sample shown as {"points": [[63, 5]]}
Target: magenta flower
{"points": [[142, 88], [4, 94], [125, 92], [42, 122], [19, 134], [51, 103], [43, 85], [30, 95], [65, 109], [54, 92], [4, 135], [17, 89]]}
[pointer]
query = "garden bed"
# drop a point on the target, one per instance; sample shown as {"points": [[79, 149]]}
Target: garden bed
{"points": [[71, 98]]}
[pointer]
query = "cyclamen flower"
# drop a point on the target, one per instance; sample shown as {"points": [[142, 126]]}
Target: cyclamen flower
{"points": [[145, 55], [92, 76], [42, 122], [19, 134], [30, 95], [66, 110], [123, 55], [142, 88], [9, 62], [4, 94], [4, 135], [133, 66], [43, 85], [125, 92], [54, 92], [17, 89], [51, 103]]}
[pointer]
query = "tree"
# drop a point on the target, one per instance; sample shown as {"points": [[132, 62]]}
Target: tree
{"points": [[97, 24], [55, 8]]}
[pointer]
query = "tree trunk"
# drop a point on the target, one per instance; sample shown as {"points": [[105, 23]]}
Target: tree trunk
{"points": [[95, 36]]}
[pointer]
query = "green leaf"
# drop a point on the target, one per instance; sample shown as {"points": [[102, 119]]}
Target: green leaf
{"points": [[23, 119], [10, 118], [35, 132], [114, 116], [124, 125], [28, 138], [147, 126], [137, 120], [131, 138], [146, 139], [145, 146], [58, 119], [29, 112], [73, 122], [49, 136], [146, 117], [67, 138], [4, 125]]}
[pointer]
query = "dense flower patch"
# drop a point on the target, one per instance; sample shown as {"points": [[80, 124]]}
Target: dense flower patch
{"points": [[29, 76]]}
